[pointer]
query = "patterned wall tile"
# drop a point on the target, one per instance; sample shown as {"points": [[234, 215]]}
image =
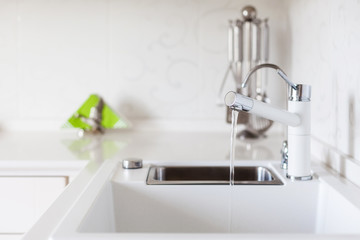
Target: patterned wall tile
{"points": [[325, 51]]}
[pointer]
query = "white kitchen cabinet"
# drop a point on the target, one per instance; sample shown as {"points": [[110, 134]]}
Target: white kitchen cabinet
{"points": [[24, 198]]}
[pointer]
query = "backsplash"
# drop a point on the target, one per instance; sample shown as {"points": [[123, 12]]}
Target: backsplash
{"points": [[149, 59], [325, 52]]}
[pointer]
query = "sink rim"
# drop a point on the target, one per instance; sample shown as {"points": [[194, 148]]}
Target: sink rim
{"points": [[151, 180]]}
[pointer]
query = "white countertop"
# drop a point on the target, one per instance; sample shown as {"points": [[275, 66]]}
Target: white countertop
{"points": [[51, 150]]}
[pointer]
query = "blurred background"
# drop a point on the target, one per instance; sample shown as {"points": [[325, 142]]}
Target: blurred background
{"points": [[164, 60]]}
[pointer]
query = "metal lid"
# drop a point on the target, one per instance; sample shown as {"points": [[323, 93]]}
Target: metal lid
{"points": [[249, 13], [301, 94], [132, 163]]}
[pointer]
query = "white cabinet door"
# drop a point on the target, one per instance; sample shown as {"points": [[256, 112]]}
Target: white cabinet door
{"points": [[24, 199]]}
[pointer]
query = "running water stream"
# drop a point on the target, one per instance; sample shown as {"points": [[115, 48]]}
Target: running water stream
{"points": [[234, 119]]}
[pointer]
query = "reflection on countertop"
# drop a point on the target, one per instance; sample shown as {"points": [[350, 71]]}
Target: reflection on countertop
{"points": [[160, 145]]}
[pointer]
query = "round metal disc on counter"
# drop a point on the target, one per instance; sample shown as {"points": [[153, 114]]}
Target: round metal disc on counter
{"points": [[132, 163]]}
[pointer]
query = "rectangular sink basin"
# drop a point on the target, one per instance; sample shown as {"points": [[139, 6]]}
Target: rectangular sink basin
{"points": [[118, 204], [210, 175]]}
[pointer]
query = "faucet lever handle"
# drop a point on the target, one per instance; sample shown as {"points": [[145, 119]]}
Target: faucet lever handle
{"points": [[269, 65]]}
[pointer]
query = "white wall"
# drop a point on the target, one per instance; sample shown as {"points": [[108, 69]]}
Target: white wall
{"points": [[325, 52], [153, 59]]}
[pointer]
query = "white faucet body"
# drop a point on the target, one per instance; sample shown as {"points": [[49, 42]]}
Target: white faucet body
{"points": [[299, 141]]}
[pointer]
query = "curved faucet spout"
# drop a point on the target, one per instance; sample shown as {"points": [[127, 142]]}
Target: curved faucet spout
{"points": [[269, 65]]}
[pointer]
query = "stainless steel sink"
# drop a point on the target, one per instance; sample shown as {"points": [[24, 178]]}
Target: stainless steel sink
{"points": [[210, 175]]}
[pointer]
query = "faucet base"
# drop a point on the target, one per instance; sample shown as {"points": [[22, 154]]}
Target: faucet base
{"points": [[303, 178]]}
